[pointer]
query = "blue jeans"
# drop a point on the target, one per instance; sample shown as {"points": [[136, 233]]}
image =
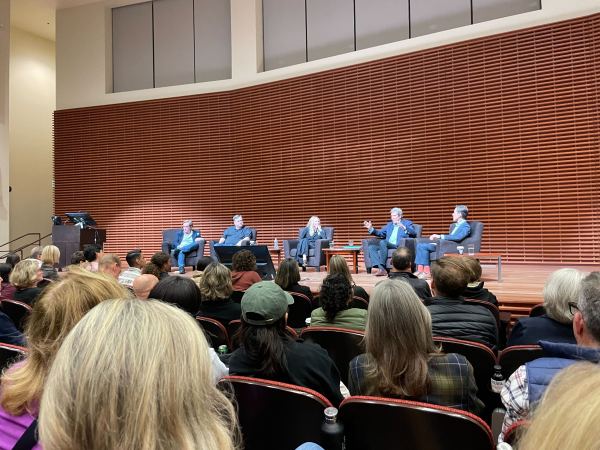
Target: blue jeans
{"points": [[379, 252], [180, 253], [423, 251]]}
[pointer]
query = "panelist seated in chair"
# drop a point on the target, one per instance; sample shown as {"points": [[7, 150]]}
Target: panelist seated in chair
{"points": [[460, 231], [237, 234], [395, 230], [186, 241], [306, 240]]}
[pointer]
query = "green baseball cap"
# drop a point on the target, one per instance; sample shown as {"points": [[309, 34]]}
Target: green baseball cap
{"points": [[264, 303]]}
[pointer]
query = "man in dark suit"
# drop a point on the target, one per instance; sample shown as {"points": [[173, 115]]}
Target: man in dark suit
{"points": [[402, 270], [185, 242], [397, 228]]}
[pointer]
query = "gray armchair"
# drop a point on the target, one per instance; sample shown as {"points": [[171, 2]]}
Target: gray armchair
{"points": [[445, 246], [404, 242], [316, 258], [169, 236], [216, 241]]}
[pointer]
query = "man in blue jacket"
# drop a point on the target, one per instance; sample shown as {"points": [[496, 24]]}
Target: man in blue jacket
{"points": [[395, 230], [460, 231], [185, 242]]}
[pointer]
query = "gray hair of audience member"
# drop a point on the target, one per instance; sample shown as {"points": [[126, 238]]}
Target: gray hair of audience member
{"points": [[188, 222], [236, 217], [36, 252], [13, 259], [396, 210], [77, 257], [462, 210], [562, 287], [589, 304]]}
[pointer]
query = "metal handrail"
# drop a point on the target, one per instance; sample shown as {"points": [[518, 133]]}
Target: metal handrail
{"points": [[20, 249]]}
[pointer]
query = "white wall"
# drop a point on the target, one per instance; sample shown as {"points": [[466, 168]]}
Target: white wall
{"points": [[32, 97], [4, 153], [83, 50]]}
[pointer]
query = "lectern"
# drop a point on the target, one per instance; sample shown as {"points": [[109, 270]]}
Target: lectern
{"points": [[69, 239]]}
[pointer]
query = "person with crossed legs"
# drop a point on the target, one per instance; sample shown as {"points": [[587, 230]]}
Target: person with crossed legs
{"points": [[185, 242]]}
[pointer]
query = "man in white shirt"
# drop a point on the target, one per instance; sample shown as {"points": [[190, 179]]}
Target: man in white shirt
{"points": [[136, 261]]}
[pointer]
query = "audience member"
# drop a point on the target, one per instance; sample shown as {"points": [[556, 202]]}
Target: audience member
{"points": [[525, 387], [201, 265], [13, 259], [338, 264], [288, 276], [9, 333], [307, 238], [36, 252], [215, 292], [90, 252], [556, 325], [24, 277], [132, 375], [450, 314], [110, 265], [160, 265], [7, 290], [402, 360], [50, 259], [59, 308], [566, 416], [460, 231], [78, 258], [186, 241], [268, 351], [237, 234], [335, 297], [143, 284], [243, 270], [180, 291], [391, 235], [135, 261], [475, 289], [402, 270]]}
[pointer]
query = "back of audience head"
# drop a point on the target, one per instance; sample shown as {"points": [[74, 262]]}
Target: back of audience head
{"points": [[26, 274], [135, 258], [90, 252], [402, 259], [203, 263], [13, 259], [77, 258], [398, 338], [243, 261], [562, 287], [61, 305], [179, 291], [450, 276], [567, 416], [36, 252], [5, 270], [473, 267], [587, 319], [50, 255], [110, 264], [143, 284], [338, 264], [288, 274], [124, 352], [335, 295], [216, 282], [162, 261]]}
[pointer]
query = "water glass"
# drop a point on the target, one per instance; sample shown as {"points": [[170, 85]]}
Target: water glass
{"points": [[471, 249], [350, 243], [331, 244]]}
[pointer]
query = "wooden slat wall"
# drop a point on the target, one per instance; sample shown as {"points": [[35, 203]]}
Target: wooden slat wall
{"points": [[508, 125]]}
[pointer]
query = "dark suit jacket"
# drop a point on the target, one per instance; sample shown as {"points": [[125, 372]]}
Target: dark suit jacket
{"points": [[195, 234], [529, 330], [387, 230], [421, 287]]}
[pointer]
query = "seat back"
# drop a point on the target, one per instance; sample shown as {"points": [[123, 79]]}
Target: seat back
{"points": [[515, 432], [358, 302], [299, 311], [234, 326], [537, 310], [475, 237], [374, 423], [275, 415], [9, 354], [17, 311], [215, 332], [341, 344], [512, 357]]}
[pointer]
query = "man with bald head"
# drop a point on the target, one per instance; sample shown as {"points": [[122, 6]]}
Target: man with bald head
{"points": [[143, 284]]}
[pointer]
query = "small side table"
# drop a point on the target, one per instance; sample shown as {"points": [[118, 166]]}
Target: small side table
{"points": [[343, 251]]}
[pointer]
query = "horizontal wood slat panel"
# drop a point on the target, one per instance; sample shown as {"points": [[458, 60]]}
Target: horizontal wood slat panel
{"points": [[507, 124]]}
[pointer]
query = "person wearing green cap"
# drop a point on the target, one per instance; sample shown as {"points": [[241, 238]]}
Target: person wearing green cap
{"points": [[268, 351]]}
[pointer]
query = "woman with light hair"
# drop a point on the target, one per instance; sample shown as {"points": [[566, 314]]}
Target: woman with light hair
{"points": [[402, 360], [25, 277], [338, 264], [50, 260], [58, 309], [149, 363], [567, 416], [306, 239], [215, 295], [556, 325]]}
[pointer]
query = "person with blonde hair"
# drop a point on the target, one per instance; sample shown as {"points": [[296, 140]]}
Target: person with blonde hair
{"points": [[50, 260], [56, 312], [25, 277], [401, 359], [567, 416], [338, 264], [307, 237], [215, 295], [556, 324], [125, 352]]}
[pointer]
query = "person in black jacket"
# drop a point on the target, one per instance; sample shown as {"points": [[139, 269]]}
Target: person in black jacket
{"points": [[475, 287], [401, 270], [215, 290], [450, 315]]}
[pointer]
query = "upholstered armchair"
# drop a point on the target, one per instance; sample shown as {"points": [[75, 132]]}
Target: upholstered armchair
{"points": [[169, 236], [216, 241], [444, 246], [404, 242], [316, 258]]}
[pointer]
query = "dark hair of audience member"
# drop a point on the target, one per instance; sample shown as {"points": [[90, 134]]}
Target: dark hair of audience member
{"points": [[203, 263], [402, 258], [5, 270], [12, 259], [265, 344], [450, 276], [132, 256], [243, 261], [151, 269], [335, 294], [288, 274], [77, 257], [90, 252], [179, 291]]}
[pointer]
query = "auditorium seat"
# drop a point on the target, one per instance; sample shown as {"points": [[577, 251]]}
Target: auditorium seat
{"points": [[299, 311], [9, 354], [215, 332], [17, 311], [512, 357], [316, 258]]}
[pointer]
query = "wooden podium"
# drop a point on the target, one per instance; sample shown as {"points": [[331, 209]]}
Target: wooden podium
{"points": [[69, 239]]}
